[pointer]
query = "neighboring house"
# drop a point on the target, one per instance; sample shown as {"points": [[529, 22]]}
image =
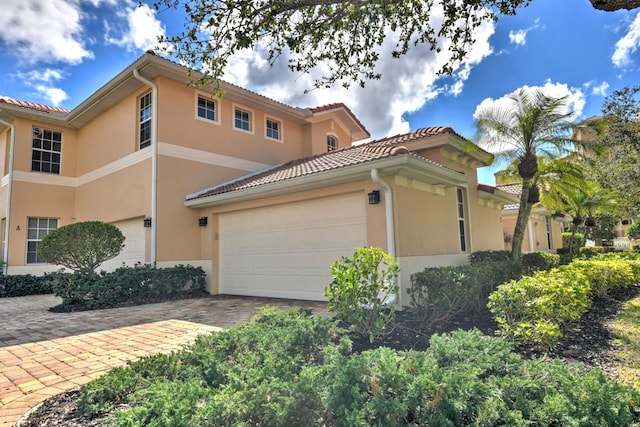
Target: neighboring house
{"points": [[544, 230], [262, 195]]}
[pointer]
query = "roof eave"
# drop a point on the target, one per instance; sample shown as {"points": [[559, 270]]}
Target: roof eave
{"points": [[405, 164]]}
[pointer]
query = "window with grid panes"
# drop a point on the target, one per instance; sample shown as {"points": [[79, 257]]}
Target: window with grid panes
{"points": [[461, 221], [37, 228], [145, 121], [46, 148]]}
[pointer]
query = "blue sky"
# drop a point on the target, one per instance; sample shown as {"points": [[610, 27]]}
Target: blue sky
{"points": [[58, 52]]}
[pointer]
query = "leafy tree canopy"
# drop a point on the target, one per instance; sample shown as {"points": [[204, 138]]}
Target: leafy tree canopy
{"points": [[618, 132], [82, 246], [344, 36]]}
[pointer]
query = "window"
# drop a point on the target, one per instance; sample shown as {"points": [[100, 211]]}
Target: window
{"points": [[332, 143], [273, 129], [145, 120], [461, 221], [207, 109], [37, 228], [45, 150], [547, 222], [242, 120]]}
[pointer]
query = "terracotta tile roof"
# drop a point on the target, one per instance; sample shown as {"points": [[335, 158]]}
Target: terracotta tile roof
{"points": [[339, 105], [32, 106], [350, 156], [510, 188]]}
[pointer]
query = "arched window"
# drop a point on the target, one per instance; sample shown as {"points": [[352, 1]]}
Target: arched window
{"points": [[332, 143]]}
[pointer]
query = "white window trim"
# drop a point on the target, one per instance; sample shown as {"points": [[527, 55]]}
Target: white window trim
{"points": [[150, 120], [252, 119], [460, 191], [326, 142], [208, 97], [60, 152], [27, 240], [280, 138]]}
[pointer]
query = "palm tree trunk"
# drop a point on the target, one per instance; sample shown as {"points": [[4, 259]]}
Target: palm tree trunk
{"points": [[521, 222]]}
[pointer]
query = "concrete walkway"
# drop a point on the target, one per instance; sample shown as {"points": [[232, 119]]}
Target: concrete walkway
{"points": [[43, 353]]}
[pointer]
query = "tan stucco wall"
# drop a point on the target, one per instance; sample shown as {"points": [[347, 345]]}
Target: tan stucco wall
{"points": [[426, 223], [33, 200], [538, 232]]}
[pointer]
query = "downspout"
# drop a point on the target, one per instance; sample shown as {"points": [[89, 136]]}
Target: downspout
{"points": [[5, 249], [391, 235], [154, 162]]}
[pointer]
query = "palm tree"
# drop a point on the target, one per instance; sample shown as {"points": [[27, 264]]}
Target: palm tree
{"points": [[588, 202], [533, 124]]}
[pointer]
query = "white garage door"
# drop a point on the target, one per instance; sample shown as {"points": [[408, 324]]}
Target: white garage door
{"points": [[134, 245], [286, 251]]}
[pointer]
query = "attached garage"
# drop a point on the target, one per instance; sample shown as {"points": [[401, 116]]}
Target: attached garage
{"points": [[134, 245], [286, 250]]}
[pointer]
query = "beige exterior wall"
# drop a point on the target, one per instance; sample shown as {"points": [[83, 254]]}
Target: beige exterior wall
{"points": [[535, 237]]}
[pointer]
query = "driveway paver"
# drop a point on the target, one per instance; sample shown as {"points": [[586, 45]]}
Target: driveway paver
{"points": [[44, 353]]}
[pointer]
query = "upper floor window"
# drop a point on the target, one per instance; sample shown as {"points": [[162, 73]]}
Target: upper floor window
{"points": [[145, 120], [37, 228], [332, 143], [273, 129], [242, 119], [462, 229], [207, 109], [45, 150]]}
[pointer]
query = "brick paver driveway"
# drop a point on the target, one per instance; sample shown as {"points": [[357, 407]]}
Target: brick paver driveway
{"points": [[44, 353]]}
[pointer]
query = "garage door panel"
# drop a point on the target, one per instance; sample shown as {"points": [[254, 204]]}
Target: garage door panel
{"points": [[134, 245], [287, 250]]}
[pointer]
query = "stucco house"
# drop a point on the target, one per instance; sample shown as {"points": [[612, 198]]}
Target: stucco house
{"points": [[262, 195], [544, 229]]}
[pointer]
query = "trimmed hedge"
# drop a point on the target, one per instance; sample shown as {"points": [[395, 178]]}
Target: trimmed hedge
{"points": [[135, 285], [286, 369], [489, 256], [535, 309], [440, 293], [21, 285], [535, 261]]}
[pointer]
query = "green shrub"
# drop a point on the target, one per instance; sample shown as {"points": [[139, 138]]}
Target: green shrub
{"points": [[440, 293], [20, 285], [284, 369], [534, 261], [489, 256], [259, 373], [361, 288], [82, 246], [138, 285], [578, 240], [633, 231], [534, 309]]}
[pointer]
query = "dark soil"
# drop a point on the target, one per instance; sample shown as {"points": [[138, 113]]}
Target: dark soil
{"points": [[588, 342]]}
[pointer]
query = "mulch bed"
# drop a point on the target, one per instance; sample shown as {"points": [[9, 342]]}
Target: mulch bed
{"points": [[588, 341]]}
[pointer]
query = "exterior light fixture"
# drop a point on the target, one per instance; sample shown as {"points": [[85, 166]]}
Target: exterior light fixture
{"points": [[202, 221], [374, 197], [147, 222]]}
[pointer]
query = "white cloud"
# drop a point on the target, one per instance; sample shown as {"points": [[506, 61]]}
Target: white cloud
{"points": [[43, 82], [601, 89], [407, 84], [54, 96], [142, 28], [575, 102], [518, 37], [46, 75], [627, 45], [33, 39]]}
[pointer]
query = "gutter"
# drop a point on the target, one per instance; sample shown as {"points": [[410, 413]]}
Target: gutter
{"points": [[154, 162], [5, 250], [391, 236]]}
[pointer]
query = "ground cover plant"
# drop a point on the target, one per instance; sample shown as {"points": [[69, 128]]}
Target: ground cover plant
{"points": [[287, 368]]}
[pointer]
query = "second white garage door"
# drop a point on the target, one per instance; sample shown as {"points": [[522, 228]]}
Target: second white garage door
{"points": [[286, 251]]}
